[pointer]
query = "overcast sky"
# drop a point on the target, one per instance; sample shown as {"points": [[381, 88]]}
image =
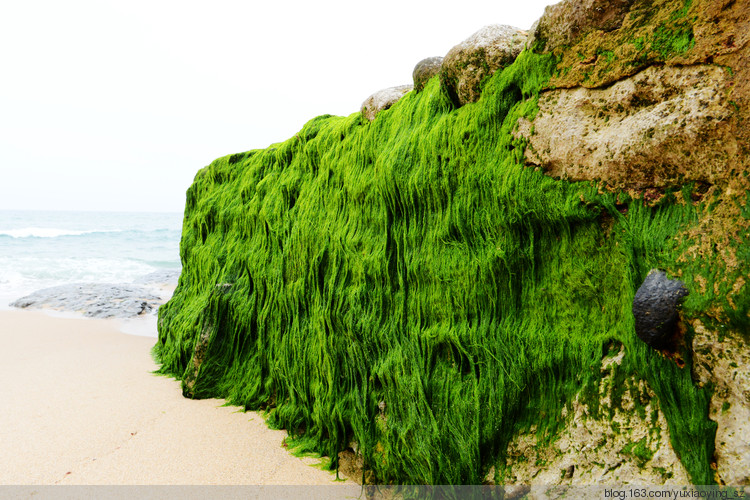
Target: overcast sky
{"points": [[115, 105]]}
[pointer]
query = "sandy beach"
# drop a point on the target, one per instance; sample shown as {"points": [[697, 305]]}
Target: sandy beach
{"points": [[79, 405]]}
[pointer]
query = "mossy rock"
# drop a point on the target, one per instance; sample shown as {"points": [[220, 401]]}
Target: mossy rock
{"points": [[467, 64]]}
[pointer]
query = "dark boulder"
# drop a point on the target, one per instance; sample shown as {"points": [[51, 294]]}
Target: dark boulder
{"points": [[655, 308]]}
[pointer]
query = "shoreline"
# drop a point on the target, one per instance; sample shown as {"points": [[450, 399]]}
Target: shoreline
{"points": [[82, 406]]}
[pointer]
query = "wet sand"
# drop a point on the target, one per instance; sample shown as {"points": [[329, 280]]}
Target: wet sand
{"points": [[79, 405]]}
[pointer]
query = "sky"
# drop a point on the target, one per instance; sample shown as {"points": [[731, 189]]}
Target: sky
{"points": [[115, 105]]}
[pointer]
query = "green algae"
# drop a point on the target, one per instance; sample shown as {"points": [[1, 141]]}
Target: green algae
{"points": [[409, 285]]}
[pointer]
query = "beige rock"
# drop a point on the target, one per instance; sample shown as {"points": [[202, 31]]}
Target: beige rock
{"points": [[382, 100], [479, 56], [624, 449], [724, 362], [664, 126]]}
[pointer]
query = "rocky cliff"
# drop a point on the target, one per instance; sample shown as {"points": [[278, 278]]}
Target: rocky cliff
{"points": [[439, 288]]}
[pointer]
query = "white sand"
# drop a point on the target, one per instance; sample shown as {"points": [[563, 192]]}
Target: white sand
{"points": [[79, 405]]}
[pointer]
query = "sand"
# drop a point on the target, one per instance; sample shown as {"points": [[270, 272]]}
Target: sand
{"points": [[79, 405]]}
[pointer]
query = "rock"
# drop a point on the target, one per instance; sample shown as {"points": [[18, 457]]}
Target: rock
{"points": [[662, 127], [565, 23], [723, 362], [655, 308], [382, 100], [424, 70], [592, 446], [514, 491], [199, 355], [94, 300], [479, 56]]}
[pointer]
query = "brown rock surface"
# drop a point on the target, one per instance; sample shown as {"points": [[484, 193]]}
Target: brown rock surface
{"points": [[661, 100], [662, 127]]}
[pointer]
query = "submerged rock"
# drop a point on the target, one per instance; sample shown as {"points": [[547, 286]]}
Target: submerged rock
{"points": [[382, 100], [94, 300], [655, 308], [479, 56], [424, 70]]}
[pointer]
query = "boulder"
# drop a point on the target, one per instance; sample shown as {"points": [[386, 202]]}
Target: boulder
{"points": [[479, 56], [655, 308], [383, 99], [424, 70]]}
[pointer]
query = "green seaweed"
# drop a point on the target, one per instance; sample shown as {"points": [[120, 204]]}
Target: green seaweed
{"points": [[409, 285]]}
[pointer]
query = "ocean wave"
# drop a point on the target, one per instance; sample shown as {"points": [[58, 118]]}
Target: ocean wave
{"points": [[46, 232], [50, 232]]}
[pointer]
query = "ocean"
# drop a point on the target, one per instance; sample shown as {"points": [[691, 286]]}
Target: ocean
{"points": [[40, 249]]}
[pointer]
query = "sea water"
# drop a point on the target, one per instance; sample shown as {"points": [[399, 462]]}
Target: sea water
{"points": [[40, 249]]}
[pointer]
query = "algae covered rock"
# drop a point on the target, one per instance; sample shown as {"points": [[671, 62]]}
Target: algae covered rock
{"points": [[357, 288], [424, 70], [479, 56], [382, 100], [655, 308]]}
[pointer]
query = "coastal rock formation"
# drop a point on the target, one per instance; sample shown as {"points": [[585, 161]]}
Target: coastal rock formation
{"points": [[424, 70], [94, 300], [356, 281], [467, 64], [382, 100]]}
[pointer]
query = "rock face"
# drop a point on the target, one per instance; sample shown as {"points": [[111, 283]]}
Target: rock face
{"points": [[651, 96], [424, 70], [382, 100], [724, 362], [613, 445], [663, 126], [645, 97], [479, 56], [655, 308]]}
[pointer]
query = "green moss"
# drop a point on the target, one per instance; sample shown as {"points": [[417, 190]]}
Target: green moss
{"points": [[640, 451], [409, 285]]}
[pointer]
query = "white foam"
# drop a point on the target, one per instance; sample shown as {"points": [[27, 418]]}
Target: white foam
{"points": [[40, 232], [48, 232]]}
